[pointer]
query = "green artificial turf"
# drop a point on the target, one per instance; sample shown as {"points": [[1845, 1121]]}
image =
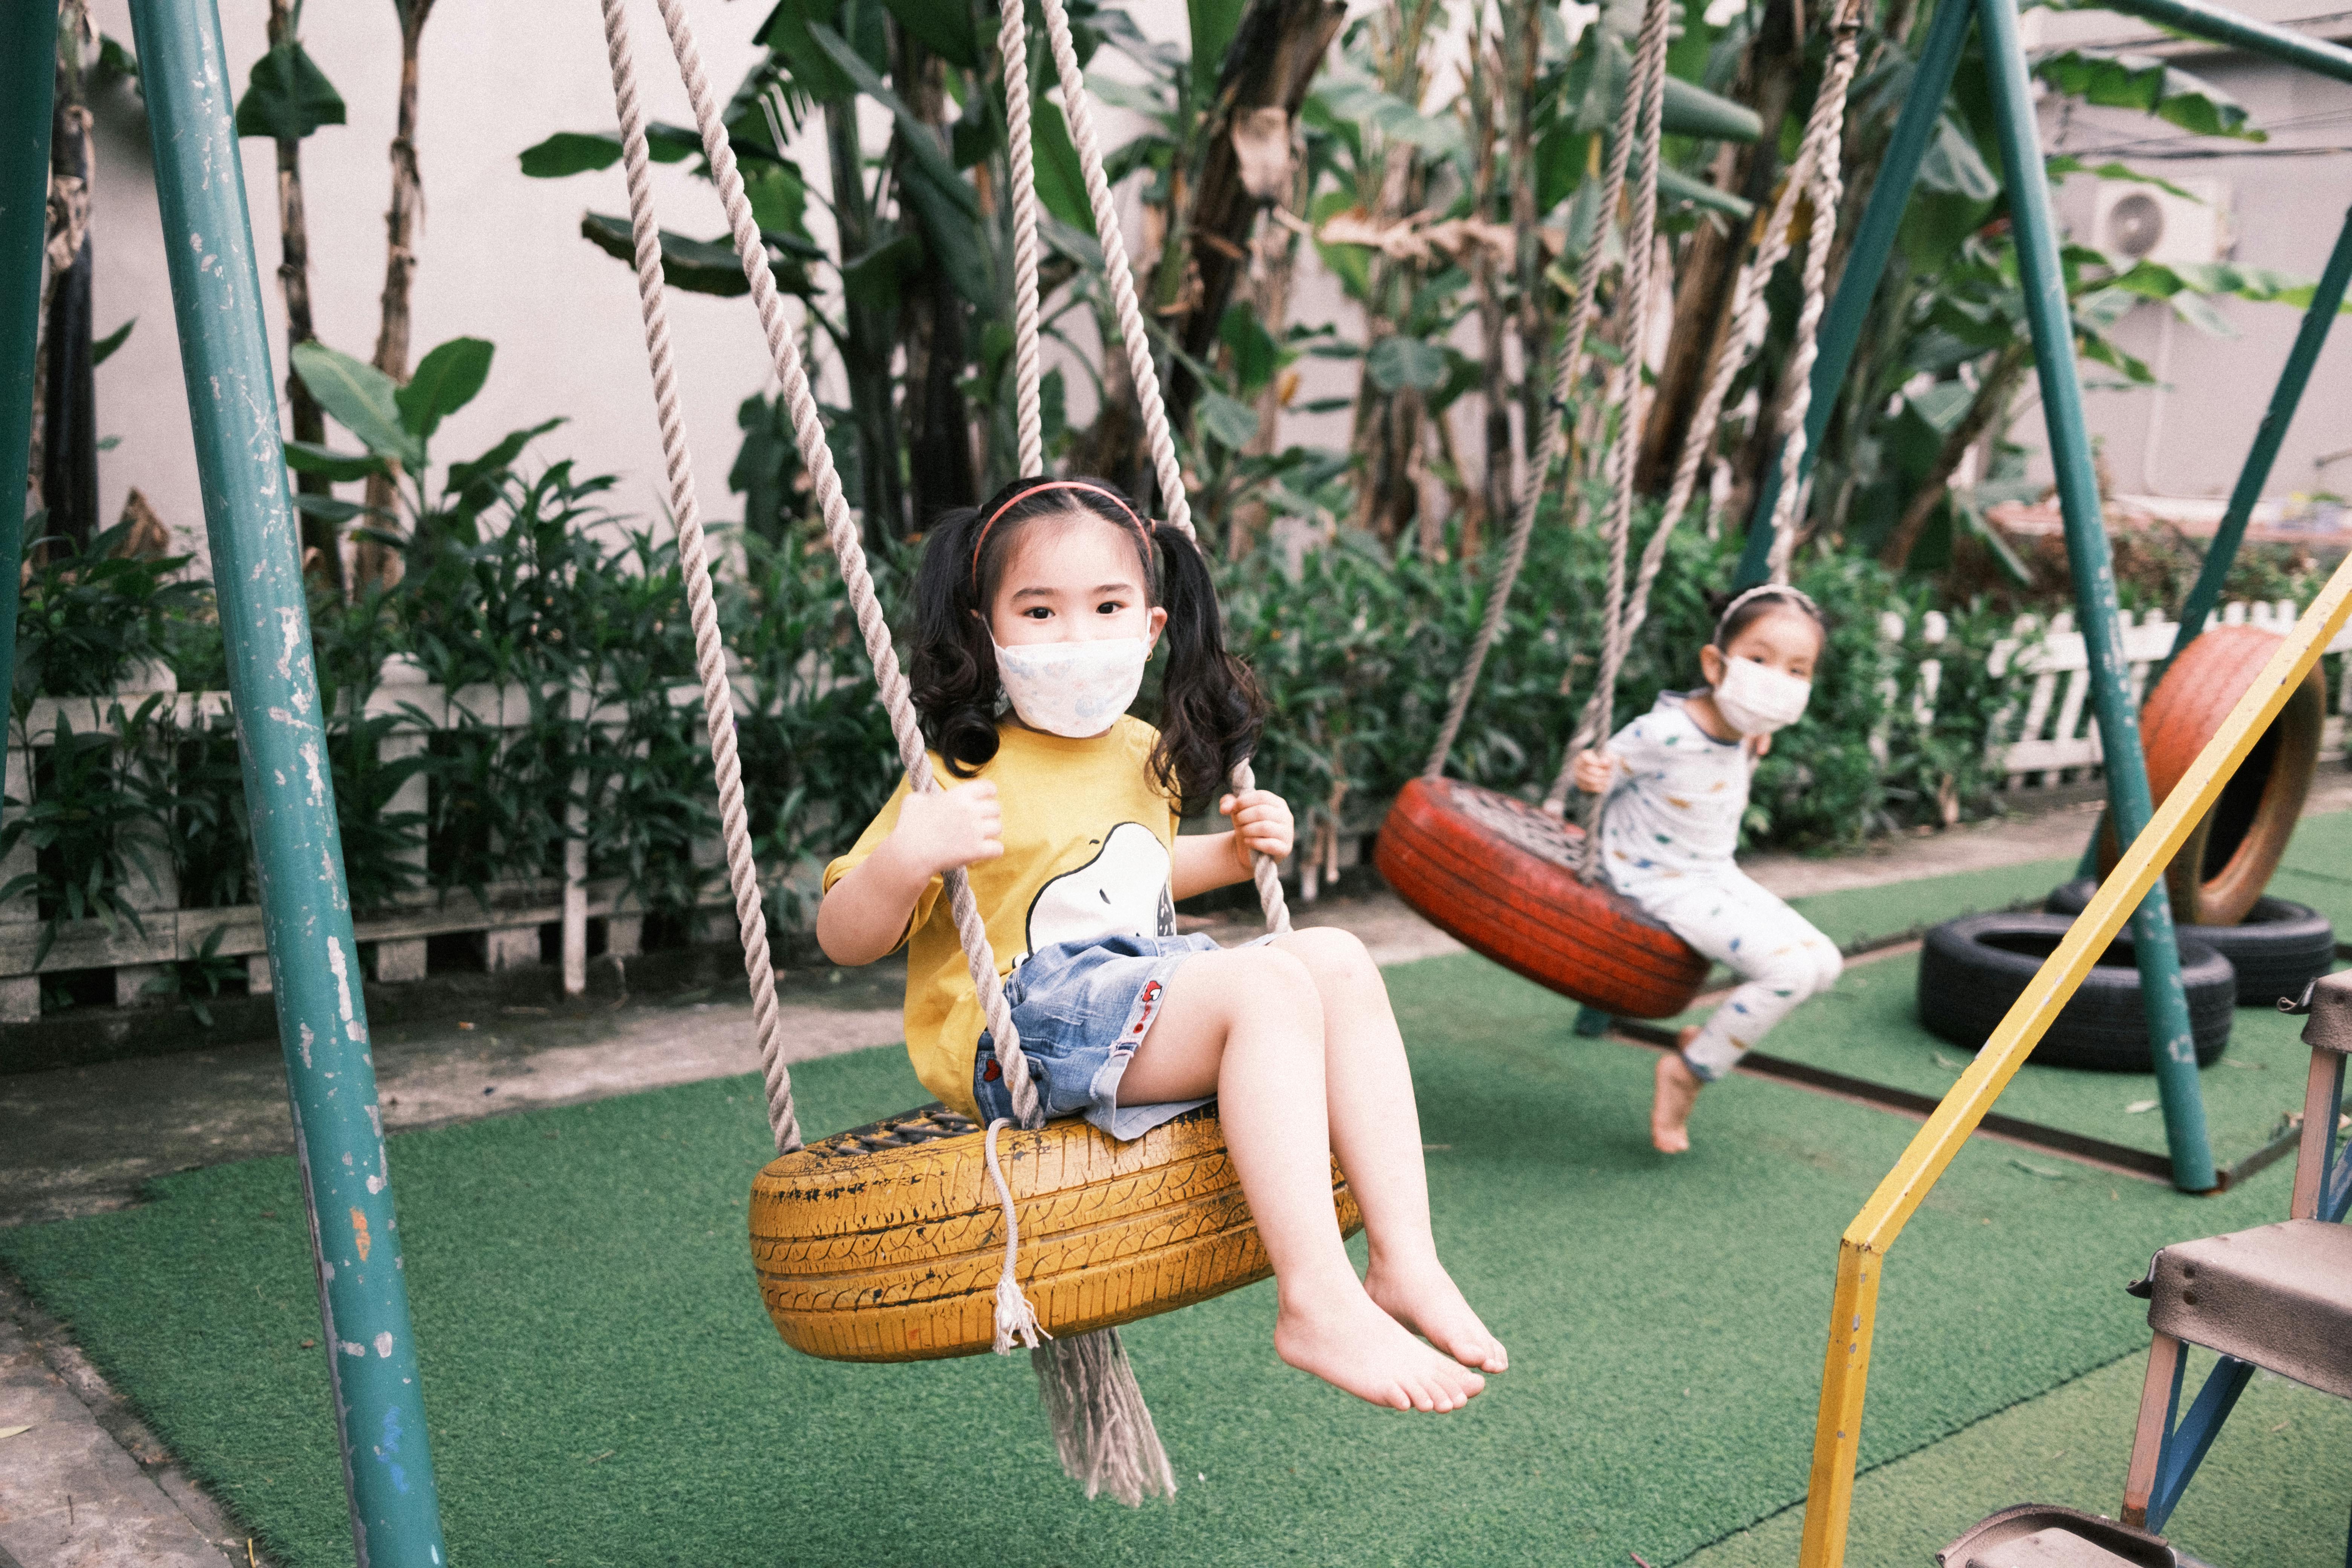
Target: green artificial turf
{"points": [[2270, 1495], [603, 1386], [1868, 1028], [1860, 915], [2317, 870]]}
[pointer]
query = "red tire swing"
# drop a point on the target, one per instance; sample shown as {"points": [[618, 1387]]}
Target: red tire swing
{"points": [[1515, 881]]}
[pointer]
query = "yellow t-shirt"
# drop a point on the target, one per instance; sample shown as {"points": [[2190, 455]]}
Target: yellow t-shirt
{"points": [[1089, 843]]}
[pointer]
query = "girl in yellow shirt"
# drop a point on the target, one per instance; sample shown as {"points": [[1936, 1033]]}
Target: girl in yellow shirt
{"points": [[1049, 600]]}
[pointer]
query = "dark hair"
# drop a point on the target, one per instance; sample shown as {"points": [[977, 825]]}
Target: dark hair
{"points": [[1209, 708], [1739, 612]]}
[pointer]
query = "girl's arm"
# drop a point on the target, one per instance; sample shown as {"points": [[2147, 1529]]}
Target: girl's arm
{"points": [[867, 913], [1261, 824]]}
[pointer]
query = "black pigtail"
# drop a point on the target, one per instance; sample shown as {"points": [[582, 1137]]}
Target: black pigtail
{"points": [[950, 665], [1211, 708]]}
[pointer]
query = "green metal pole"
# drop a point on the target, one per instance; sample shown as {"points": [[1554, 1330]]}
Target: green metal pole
{"points": [[29, 81], [1865, 264], [2308, 342], [2217, 24], [2093, 568], [371, 1348]]}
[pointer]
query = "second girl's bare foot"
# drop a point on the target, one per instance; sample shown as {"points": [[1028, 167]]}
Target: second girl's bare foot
{"points": [[1425, 1300], [1351, 1344], [1677, 1092]]}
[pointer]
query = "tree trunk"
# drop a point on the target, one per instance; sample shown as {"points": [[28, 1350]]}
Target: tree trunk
{"points": [[1767, 81], [1497, 489], [319, 534], [867, 363], [1269, 294], [68, 466], [380, 564], [931, 330], [1993, 393], [1244, 167], [1522, 23]]}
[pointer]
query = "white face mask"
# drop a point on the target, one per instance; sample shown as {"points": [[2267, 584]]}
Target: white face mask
{"points": [[1756, 700], [1074, 689]]}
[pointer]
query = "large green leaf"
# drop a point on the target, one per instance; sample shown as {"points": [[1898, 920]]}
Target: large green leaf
{"points": [[586, 152], [786, 32], [446, 381], [2120, 80], [1692, 111], [358, 397], [1397, 362], [1061, 179], [305, 458], [944, 24], [1214, 23], [873, 279], [1673, 185], [697, 266], [920, 140], [287, 96], [1228, 419], [1256, 355], [947, 225], [103, 349]]}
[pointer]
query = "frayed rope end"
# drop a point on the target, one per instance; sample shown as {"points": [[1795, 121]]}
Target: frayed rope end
{"points": [[1016, 1319]]}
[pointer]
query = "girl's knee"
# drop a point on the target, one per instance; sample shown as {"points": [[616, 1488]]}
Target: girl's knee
{"points": [[1828, 964], [1269, 975], [1329, 954]]}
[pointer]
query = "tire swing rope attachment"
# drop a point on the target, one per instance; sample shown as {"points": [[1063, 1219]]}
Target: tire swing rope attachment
{"points": [[1102, 1429], [1611, 955]]}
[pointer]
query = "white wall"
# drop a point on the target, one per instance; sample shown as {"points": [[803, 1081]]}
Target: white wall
{"points": [[500, 256]]}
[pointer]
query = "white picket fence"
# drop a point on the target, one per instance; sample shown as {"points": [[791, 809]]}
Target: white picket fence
{"points": [[507, 919], [2049, 739], [2053, 738]]}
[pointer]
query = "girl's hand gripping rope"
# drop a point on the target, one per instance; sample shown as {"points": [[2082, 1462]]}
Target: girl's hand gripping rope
{"points": [[1262, 825], [957, 827], [1593, 771]]}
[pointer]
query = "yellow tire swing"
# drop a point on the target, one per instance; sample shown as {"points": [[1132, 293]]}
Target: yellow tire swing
{"points": [[901, 1240]]}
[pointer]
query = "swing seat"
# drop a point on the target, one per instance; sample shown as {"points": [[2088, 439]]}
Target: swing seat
{"points": [[1502, 876], [885, 1242], [2229, 855]]}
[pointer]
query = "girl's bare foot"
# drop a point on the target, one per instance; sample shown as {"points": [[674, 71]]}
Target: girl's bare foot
{"points": [[1677, 1092], [1353, 1345], [1425, 1300]]}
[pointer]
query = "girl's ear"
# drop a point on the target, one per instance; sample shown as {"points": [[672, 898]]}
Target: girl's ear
{"points": [[1710, 664], [1159, 623]]}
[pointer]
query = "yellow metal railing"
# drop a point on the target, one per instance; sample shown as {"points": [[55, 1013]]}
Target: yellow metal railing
{"points": [[1853, 1309]]}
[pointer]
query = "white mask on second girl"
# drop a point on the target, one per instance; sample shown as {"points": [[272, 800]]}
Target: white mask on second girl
{"points": [[1074, 689], [1756, 700]]}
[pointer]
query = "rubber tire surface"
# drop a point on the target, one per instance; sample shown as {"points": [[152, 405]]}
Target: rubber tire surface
{"points": [[1965, 985], [2229, 856], [885, 1242], [1500, 875], [2277, 950]]}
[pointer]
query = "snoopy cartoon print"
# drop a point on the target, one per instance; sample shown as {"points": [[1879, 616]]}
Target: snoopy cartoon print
{"points": [[1122, 891]]}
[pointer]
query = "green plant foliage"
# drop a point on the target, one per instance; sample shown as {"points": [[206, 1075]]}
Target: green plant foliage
{"points": [[287, 96]]}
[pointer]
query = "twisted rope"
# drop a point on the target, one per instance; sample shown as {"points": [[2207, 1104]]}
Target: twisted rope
{"points": [[1013, 49], [1568, 371], [1824, 130], [1828, 191], [1076, 109], [1650, 82], [841, 527], [709, 655], [1013, 44]]}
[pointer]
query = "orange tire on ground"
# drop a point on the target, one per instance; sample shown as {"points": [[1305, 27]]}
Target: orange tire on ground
{"points": [[885, 1242], [1501, 875], [2229, 855]]}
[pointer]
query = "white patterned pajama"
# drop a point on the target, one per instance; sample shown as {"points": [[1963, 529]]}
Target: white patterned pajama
{"points": [[1667, 832]]}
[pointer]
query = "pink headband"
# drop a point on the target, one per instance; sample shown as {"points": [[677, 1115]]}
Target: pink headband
{"points": [[1037, 490]]}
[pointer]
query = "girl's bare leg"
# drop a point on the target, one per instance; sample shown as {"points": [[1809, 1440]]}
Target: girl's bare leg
{"points": [[1376, 1133], [1677, 1092], [1247, 1025]]}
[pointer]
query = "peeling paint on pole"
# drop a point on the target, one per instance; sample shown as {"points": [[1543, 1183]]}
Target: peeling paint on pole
{"points": [[322, 1015]]}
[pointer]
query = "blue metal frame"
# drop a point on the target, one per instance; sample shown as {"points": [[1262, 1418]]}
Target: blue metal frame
{"points": [[28, 80], [369, 1344]]}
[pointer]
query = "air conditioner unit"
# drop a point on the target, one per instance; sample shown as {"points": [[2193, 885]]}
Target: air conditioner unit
{"points": [[2133, 222]]}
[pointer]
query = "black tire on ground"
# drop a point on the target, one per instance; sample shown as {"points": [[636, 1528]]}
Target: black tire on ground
{"points": [[2280, 948], [1972, 969]]}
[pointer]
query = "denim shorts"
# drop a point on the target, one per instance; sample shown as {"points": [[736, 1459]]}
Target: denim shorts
{"points": [[1082, 1007]]}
